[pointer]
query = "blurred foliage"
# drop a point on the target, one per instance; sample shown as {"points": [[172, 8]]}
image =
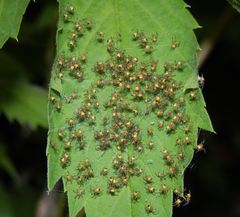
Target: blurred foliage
{"points": [[235, 4], [6, 163], [24, 102], [11, 12], [212, 177], [17, 203], [19, 100], [24, 69]]}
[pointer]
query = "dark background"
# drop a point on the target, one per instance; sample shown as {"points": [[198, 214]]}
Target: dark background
{"points": [[212, 177]]}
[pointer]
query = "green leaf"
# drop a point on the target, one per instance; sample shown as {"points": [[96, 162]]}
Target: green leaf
{"points": [[235, 4], [18, 99], [6, 205], [105, 113], [6, 163], [11, 12], [24, 102], [13, 203]]}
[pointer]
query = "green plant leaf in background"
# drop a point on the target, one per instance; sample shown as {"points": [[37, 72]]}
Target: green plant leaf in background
{"points": [[6, 164], [11, 206], [235, 4], [124, 106], [11, 12], [24, 102], [20, 100]]}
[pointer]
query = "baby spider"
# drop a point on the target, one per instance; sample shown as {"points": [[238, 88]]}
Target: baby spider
{"points": [[135, 195], [187, 198], [149, 208], [200, 147], [96, 191], [100, 36], [201, 81], [79, 193], [177, 202], [175, 44]]}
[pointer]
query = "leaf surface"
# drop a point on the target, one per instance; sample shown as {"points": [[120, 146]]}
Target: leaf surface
{"points": [[133, 108]]}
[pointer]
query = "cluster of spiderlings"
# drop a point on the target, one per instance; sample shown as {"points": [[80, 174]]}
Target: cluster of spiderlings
{"points": [[181, 199], [123, 171], [141, 81], [68, 13], [141, 89], [84, 172], [69, 139], [114, 183], [90, 104], [78, 29], [122, 133], [55, 101], [172, 166], [145, 42], [73, 67]]}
